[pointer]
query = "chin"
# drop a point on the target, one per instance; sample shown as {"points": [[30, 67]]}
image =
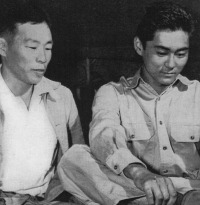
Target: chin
{"points": [[167, 82], [35, 81]]}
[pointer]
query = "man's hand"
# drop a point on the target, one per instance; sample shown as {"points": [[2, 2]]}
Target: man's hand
{"points": [[159, 190]]}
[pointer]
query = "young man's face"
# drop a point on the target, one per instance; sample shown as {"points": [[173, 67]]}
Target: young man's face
{"points": [[164, 58], [28, 54]]}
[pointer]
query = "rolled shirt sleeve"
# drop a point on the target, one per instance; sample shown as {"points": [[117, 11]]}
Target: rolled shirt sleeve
{"points": [[107, 136], [121, 159]]}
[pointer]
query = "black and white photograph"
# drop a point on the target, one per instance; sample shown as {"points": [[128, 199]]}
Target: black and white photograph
{"points": [[99, 102]]}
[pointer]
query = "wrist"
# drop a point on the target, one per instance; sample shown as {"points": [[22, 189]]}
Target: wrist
{"points": [[133, 170], [139, 174]]}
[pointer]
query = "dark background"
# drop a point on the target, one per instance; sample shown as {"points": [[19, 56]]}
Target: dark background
{"points": [[103, 30], [93, 44]]}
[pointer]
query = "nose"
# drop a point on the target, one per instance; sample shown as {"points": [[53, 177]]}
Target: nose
{"points": [[42, 58], [170, 62]]}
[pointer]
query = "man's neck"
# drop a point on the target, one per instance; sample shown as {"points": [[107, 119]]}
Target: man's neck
{"points": [[18, 88], [157, 87], [26, 97]]}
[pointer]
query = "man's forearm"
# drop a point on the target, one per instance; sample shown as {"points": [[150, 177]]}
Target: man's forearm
{"points": [[138, 173]]}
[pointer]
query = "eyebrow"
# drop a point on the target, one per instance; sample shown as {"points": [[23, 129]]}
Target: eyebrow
{"points": [[167, 49], [35, 41]]}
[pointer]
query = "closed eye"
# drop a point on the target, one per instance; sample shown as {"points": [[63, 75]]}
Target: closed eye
{"points": [[181, 55], [162, 53], [32, 47]]}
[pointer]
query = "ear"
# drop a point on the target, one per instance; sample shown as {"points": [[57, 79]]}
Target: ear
{"points": [[138, 46], [3, 47]]}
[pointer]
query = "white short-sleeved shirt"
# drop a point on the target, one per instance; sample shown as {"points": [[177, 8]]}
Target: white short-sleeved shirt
{"points": [[28, 144]]}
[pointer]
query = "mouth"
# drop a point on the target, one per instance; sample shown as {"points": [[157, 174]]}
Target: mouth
{"points": [[39, 70], [168, 74]]}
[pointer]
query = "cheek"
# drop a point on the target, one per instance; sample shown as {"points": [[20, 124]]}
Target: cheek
{"points": [[14, 59], [48, 56], [182, 62], [22, 57], [157, 61]]}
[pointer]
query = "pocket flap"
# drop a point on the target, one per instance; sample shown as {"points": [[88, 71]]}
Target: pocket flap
{"points": [[140, 131], [185, 133]]}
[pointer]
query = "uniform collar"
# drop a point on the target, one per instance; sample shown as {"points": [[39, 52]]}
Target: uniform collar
{"points": [[133, 82]]}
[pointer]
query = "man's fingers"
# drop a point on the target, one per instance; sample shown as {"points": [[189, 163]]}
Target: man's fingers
{"points": [[149, 193], [158, 195], [172, 191], [164, 189], [160, 191], [153, 193]]}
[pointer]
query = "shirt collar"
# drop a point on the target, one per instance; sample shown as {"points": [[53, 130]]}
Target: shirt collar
{"points": [[43, 87], [133, 82], [47, 86], [183, 80]]}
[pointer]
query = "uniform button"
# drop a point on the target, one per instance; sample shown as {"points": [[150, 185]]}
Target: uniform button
{"points": [[192, 137], [161, 122], [115, 167], [165, 171], [164, 148]]}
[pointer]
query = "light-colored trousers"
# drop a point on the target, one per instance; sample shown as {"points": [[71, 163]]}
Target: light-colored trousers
{"points": [[92, 182], [27, 201]]}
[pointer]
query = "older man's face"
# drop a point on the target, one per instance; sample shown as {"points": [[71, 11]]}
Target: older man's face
{"points": [[29, 53]]}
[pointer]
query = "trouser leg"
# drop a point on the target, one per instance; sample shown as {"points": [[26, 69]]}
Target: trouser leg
{"points": [[10, 198], [35, 201], [191, 198], [140, 201], [93, 183]]}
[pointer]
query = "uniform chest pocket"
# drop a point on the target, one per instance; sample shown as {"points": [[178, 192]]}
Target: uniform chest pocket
{"points": [[139, 131], [185, 133]]}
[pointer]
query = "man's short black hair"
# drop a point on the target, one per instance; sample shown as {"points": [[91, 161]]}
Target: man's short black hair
{"points": [[13, 12], [164, 15]]}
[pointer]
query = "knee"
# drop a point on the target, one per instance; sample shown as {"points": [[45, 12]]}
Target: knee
{"points": [[191, 198], [75, 154], [77, 150]]}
